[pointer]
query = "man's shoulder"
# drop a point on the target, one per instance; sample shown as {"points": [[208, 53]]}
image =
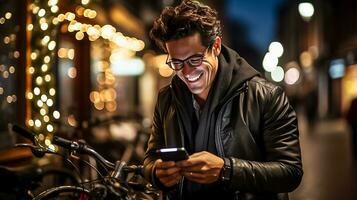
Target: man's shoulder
{"points": [[260, 83], [164, 91], [164, 96]]}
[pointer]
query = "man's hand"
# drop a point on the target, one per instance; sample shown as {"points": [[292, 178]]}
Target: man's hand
{"points": [[202, 167], [167, 172]]}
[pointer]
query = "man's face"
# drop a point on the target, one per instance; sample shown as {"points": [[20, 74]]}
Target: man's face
{"points": [[198, 79]]}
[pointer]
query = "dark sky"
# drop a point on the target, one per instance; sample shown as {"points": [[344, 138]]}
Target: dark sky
{"points": [[260, 18]]}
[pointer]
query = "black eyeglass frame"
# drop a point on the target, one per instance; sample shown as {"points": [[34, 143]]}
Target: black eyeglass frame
{"points": [[187, 60]]}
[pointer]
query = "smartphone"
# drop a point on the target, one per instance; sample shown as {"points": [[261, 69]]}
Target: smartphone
{"points": [[172, 154]]}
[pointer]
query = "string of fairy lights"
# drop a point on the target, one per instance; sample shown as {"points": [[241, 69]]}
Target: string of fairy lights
{"points": [[41, 89], [46, 22]]}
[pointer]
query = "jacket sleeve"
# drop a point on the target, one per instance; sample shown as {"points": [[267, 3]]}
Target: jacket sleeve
{"points": [[155, 141], [281, 168]]}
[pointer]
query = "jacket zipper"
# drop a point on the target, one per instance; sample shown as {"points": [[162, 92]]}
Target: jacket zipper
{"points": [[219, 143]]}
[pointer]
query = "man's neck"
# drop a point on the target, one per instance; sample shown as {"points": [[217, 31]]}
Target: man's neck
{"points": [[200, 101]]}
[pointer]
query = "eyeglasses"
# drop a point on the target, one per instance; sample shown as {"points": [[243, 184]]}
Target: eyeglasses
{"points": [[193, 61]]}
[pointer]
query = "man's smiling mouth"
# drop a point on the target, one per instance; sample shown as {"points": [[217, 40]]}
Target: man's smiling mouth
{"points": [[194, 78]]}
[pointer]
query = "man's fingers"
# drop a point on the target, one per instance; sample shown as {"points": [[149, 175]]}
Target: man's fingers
{"points": [[194, 175], [170, 180], [164, 165], [198, 158], [190, 162], [167, 172]]}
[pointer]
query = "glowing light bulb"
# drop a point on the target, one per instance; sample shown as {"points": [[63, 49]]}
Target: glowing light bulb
{"points": [[54, 9], [52, 91], [39, 103], [47, 59], [306, 10], [43, 97], [38, 123], [43, 111], [12, 69], [70, 54], [33, 55], [56, 114], [39, 80], [46, 118], [49, 128], [48, 78], [44, 67], [29, 95], [30, 122], [36, 91], [55, 21], [47, 141], [44, 26], [31, 70], [51, 45], [30, 27], [79, 35], [49, 102], [276, 48], [8, 15], [35, 9], [9, 99], [41, 12], [84, 2]]}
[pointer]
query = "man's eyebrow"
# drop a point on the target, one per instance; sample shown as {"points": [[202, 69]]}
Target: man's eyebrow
{"points": [[197, 54]]}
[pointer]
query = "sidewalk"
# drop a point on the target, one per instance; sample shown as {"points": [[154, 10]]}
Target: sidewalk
{"points": [[329, 171]]}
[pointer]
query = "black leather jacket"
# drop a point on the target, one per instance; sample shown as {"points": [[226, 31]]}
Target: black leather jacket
{"points": [[254, 126]]}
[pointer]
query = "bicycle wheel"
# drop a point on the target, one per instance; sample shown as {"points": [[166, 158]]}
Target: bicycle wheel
{"points": [[63, 192]]}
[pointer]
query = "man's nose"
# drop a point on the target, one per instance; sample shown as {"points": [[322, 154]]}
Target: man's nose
{"points": [[186, 68]]}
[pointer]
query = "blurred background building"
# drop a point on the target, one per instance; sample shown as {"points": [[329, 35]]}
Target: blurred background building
{"points": [[322, 47], [86, 69]]}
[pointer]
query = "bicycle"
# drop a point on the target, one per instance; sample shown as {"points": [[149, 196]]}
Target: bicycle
{"points": [[115, 184]]}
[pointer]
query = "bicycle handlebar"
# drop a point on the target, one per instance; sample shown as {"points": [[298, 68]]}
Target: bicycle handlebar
{"points": [[79, 146], [82, 147], [68, 144], [36, 148], [25, 133]]}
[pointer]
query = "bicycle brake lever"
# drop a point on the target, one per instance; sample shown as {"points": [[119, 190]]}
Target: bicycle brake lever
{"points": [[36, 151], [73, 155]]}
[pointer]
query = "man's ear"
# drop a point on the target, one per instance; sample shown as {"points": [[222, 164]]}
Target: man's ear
{"points": [[217, 46]]}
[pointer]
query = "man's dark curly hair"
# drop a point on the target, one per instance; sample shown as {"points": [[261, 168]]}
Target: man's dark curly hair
{"points": [[186, 19]]}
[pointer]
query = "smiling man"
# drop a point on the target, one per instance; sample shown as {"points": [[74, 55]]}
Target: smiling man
{"points": [[239, 129]]}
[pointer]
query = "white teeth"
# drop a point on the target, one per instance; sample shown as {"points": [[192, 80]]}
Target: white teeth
{"points": [[192, 79]]}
